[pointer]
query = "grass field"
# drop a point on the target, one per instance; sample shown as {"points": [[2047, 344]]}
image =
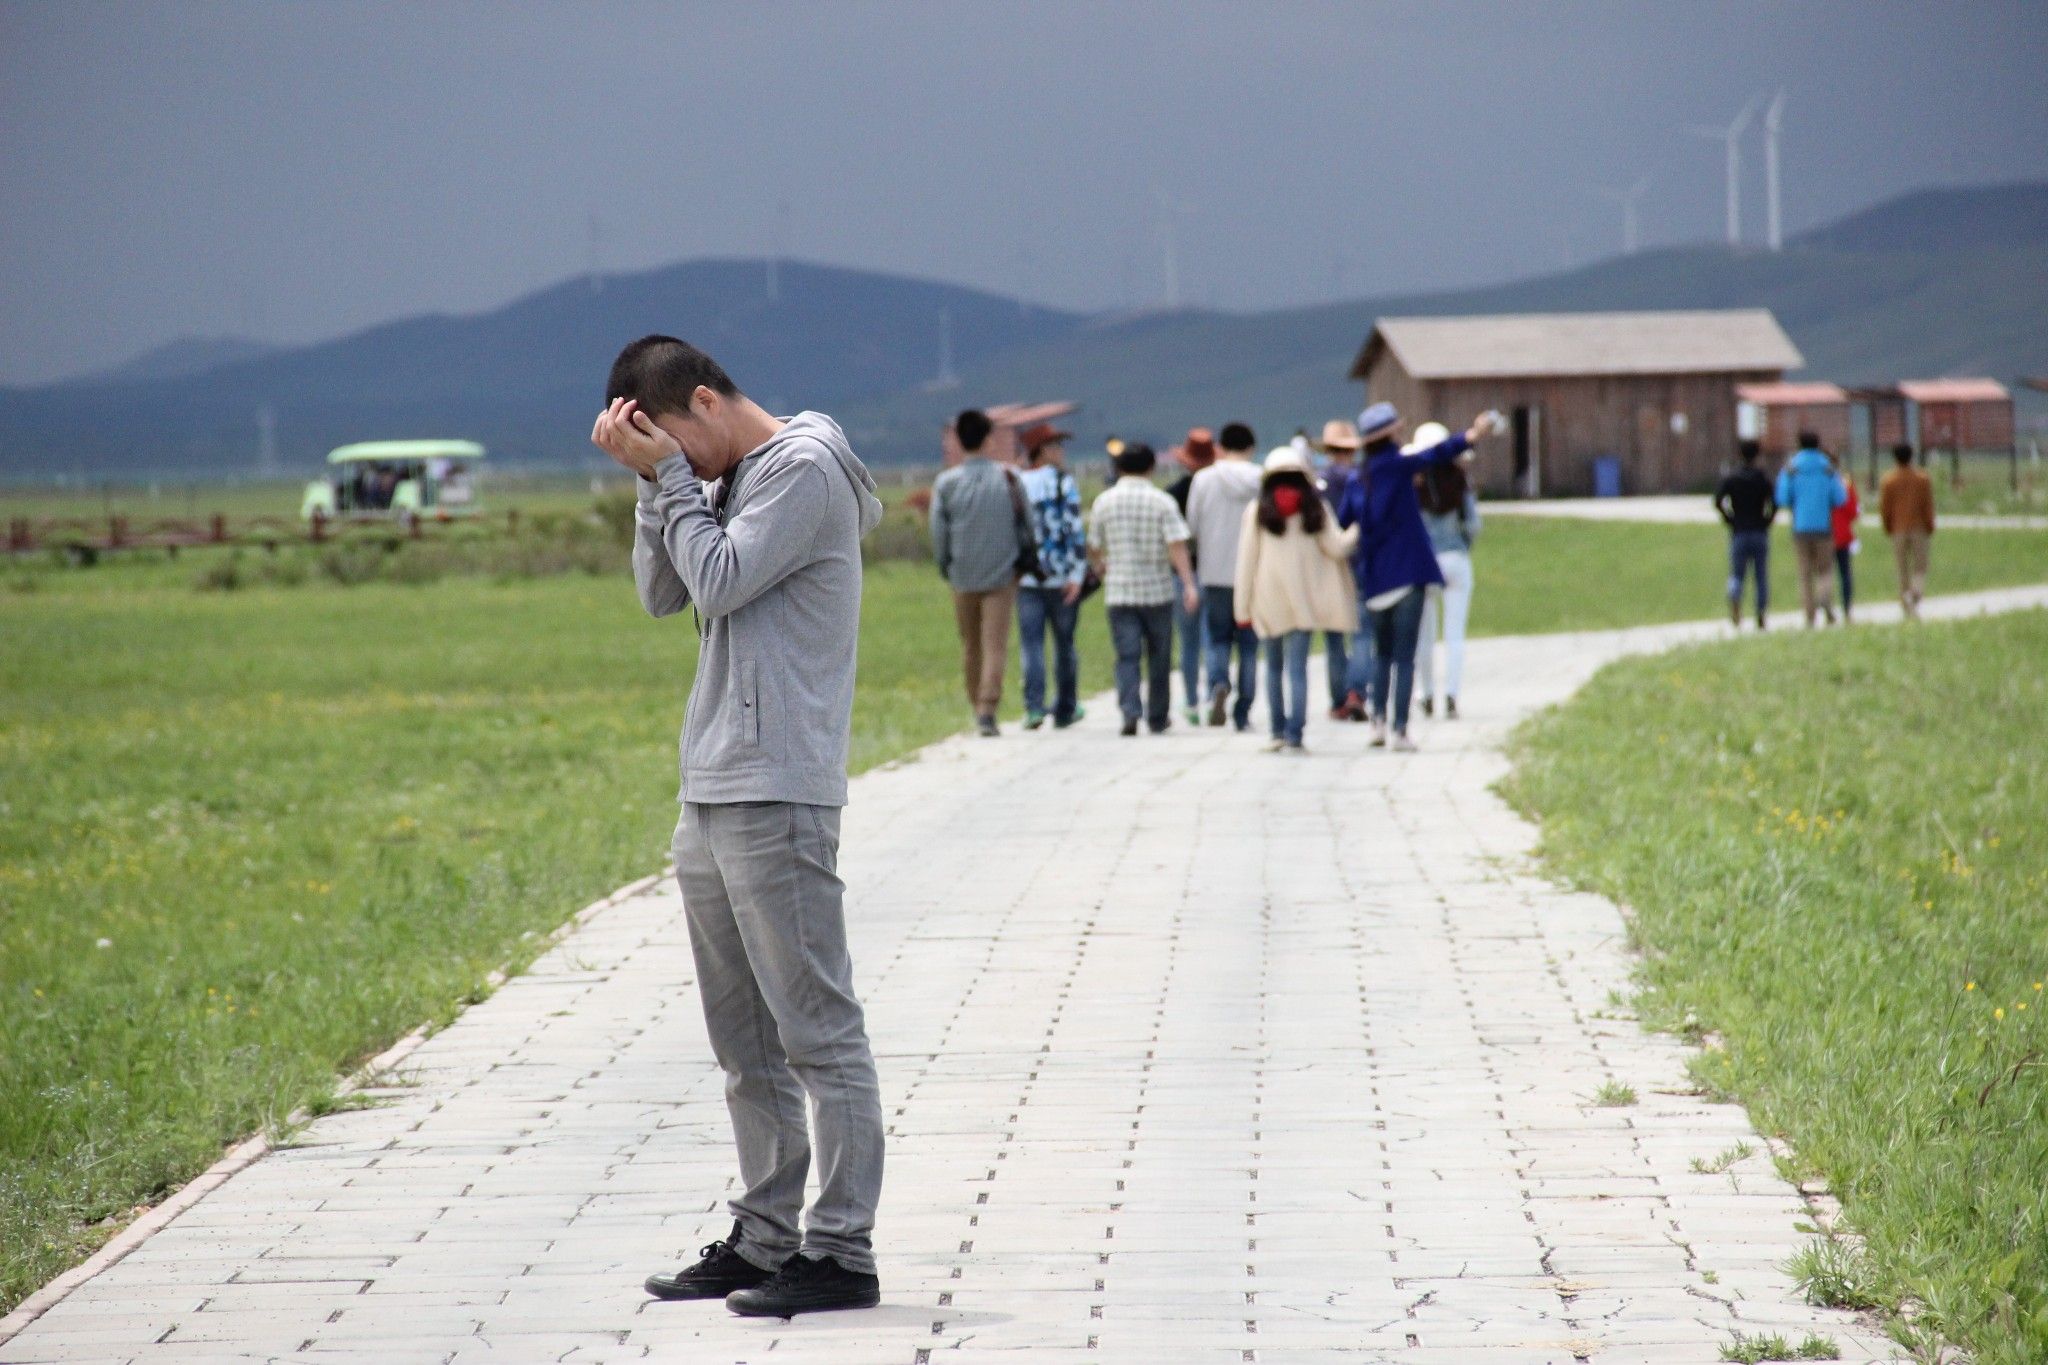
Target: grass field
{"points": [[305, 819], [1851, 907]]}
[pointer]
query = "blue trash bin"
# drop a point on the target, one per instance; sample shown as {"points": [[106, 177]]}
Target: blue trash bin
{"points": [[1606, 477]]}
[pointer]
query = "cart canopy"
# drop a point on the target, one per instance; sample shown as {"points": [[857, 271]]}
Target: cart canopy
{"points": [[394, 452]]}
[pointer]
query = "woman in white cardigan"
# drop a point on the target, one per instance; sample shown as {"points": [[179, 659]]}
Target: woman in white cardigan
{"points": [[1293, 580]]}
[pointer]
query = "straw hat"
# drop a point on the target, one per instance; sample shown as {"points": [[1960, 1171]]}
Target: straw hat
{"points": [[1339, 434]]}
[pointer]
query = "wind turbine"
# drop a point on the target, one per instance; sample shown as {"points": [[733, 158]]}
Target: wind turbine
{"points": [[1775, 220], [1627, 199], [1732, 136], [947, 378], [1169, 256]]}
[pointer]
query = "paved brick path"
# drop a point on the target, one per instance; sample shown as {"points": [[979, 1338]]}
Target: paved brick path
{"points": [[1190, 1053]]}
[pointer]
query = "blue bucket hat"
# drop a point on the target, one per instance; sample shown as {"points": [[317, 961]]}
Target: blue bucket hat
{"points": [[1376, 421]]}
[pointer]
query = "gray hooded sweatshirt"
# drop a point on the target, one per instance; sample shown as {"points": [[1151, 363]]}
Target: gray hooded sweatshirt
{"points": [[775, 575]]}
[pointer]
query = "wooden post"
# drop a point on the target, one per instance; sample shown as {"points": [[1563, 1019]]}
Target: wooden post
{"points": [[117, 532], [217, 529], [319, 525]]}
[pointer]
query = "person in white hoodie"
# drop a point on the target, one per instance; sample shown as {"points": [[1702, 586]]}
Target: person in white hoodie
{"points": [[756, 522], [1292, 581], [1217, 501]]}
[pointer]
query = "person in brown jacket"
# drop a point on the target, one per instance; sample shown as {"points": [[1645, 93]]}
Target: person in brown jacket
{"points": [[1905, 503], [1292, 580]]}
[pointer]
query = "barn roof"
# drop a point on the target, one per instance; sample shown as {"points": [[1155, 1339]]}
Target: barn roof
{"points": [[1792, 395], [1700, 342], [1953, 390]]}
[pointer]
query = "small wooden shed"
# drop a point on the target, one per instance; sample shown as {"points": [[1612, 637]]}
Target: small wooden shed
{"points": [[1654, 392], [1775, 414], [1959, 415]]}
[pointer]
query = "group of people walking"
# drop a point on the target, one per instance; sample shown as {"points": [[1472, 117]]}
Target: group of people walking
{"points": [[1241, 561], [1820, 500]]}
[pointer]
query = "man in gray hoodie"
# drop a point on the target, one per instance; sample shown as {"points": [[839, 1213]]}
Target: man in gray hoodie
{"points": [[756, 521]]}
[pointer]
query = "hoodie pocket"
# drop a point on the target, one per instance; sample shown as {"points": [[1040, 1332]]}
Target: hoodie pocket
{"points": [[747, 715]]}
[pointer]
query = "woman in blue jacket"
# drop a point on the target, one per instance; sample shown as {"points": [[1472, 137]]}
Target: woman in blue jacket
{"points": [[1394, 563]]}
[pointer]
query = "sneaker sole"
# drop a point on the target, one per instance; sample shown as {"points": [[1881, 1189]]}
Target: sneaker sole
{"points": [[788, 1311], [675, 1293]]}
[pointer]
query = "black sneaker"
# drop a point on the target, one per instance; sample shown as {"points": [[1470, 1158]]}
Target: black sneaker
{"points": [[1130, 726], [986, 727], [1450, 708], [721, 1271], [1219, 699], [806, 1286], [1429, 706]]}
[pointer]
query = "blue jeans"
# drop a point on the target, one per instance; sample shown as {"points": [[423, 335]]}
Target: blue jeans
{"points": [[1749, 552], [1395, 631], [1145, 632], [1359, 676], [1288, 706], [1038, 608], [1219, 608], [1188, 625], [1337, 658]]}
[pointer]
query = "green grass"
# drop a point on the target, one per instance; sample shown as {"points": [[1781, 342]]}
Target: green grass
{"points": [[1540, 574], [1750, 1350], [1854, 896], [1614, 1095]]}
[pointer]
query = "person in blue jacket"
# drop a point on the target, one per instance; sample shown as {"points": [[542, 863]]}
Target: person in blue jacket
{"points": [[1810, 489], [1394, 563]]}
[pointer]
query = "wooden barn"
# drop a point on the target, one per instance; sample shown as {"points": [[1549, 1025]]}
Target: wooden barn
{"points": [[1775, 415], [1654, 392]]}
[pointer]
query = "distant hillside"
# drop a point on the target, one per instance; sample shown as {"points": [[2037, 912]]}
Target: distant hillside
{"points": [[186, 357], [1938, 282], [526, 378], [1986, 217]]}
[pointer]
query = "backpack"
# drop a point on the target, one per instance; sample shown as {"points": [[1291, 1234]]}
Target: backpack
{"points": [[1028, 563]]}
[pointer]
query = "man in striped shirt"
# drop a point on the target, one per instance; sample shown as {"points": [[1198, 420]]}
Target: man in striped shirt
{"points": [[1139, 541]]}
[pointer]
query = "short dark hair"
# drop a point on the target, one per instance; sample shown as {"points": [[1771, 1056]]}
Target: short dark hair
{"points": [[1136, 458], [1236, 436], [1749, 450], [1902, 453], [662, 373], [1809, 440], [972, 427]]}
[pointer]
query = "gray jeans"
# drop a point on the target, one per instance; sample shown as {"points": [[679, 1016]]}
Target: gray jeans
{"points": [[762, 894]]}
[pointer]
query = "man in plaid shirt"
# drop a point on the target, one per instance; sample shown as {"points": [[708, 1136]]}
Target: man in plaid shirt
{"points": [[1139, 542]]}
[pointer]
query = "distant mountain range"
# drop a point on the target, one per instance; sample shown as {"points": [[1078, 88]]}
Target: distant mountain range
{"points": [[1935, 282]]}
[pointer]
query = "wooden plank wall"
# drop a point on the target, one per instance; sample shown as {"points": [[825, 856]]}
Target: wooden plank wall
{"points": [[1584, 418]]}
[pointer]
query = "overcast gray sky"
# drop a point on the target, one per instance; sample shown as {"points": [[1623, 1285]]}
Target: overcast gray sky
{"points": [[293, 171]]}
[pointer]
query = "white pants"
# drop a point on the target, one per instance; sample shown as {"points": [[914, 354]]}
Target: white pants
{"points": [[1452, 604]]}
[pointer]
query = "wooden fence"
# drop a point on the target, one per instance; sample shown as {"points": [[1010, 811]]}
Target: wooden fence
{"points": [[91, 536]]}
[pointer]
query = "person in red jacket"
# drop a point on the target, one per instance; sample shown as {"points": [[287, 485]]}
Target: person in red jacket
{"points": [[1846, 544]]}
